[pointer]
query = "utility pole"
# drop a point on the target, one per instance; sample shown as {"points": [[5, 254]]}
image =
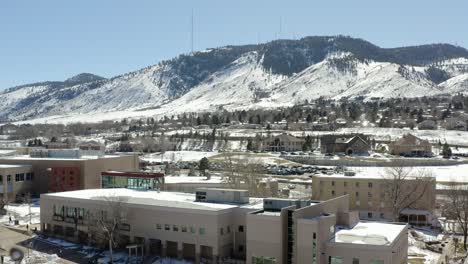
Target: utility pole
{"points": [[280, 27], [191, 36]]}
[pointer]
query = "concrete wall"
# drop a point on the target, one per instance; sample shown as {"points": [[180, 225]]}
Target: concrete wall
{"points": [[14, 188], [264, 237], [322, 188], [143, 221], [90, 169]]}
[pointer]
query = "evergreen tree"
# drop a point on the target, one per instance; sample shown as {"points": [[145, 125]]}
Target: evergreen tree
{"points": [[204, 165]]}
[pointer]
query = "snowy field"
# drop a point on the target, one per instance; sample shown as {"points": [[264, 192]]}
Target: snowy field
{"points": [[178, 156]]}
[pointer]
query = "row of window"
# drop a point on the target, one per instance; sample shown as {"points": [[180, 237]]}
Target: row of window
{"points": [[263, 260], [19, 177], [193, 230], [345, 184], [339, 260], [184, 229], [369, 194]]}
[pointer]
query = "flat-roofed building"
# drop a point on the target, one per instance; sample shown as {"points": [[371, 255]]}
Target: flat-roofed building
{"points": [[71, 171], [322, 232], [216, 224], [16, 181], [167, 223], [369, 194]]}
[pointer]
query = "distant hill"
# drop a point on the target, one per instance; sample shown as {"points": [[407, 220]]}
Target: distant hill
{"points": [[278, 73]]}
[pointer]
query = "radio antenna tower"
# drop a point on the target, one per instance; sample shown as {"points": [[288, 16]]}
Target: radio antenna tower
{"points": [[191, 35]]}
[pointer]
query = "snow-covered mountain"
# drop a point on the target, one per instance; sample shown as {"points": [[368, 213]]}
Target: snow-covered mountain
{"points": [[275, 74]]}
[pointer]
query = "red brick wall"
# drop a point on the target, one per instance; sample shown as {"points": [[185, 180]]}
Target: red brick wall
{"points": [[64, 179]]}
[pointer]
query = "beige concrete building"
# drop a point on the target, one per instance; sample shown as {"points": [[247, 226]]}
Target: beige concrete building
{"points": [[283, 142], [218, 224], [368, 194], [65, 173], [16, 181], [322, 232], [410, 145]]}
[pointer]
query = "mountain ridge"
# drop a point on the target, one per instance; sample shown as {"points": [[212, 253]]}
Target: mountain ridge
{"points": [[251, 76]]}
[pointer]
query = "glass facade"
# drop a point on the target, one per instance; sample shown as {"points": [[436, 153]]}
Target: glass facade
{"points": [[130, 182], [263, 260], [335, 260]]}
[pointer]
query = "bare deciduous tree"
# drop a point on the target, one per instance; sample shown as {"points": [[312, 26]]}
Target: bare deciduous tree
{"points": [[457, 209], [404, 187], [110, 218], [242, 171]]}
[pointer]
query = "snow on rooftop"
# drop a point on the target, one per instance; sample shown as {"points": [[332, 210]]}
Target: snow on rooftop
{"points": [[455, 173], [369, 233], [153, 198], [27, 157], [192, 179], [8, 166]]}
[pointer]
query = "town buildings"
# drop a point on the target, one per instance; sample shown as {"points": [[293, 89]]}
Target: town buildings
{"points": [[216, 224], [410, 145], [58, 170], [346, 144], [368, 194], [16, 181], [283, 142]]}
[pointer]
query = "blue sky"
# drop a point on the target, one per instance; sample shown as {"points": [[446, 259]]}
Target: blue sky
{"points": [[56, 39]]}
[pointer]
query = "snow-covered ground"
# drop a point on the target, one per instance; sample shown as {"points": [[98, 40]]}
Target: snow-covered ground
{"points": [[37, 257], [417, 253], [25, 213], [178, 156]]}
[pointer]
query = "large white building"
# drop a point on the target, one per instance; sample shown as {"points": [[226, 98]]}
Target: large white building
{"points": [[215, 224]]}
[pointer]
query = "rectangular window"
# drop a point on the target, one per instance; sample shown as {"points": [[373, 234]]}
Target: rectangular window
{"points": [[158, 226], [357, 184], [192, 230], [263, 260], [167, 227], [355, 261], [228, 229], [184, 229], [376, 261], [358, 203], [314, 248], [124, 227], [369, 194], [345, 184], [382, 215], [333, 183], [369, 215], [335, 260], [333, 192], [241, 248], [241, 228], [175, 228], [357, 194], [221, 231], [201, 231]]}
